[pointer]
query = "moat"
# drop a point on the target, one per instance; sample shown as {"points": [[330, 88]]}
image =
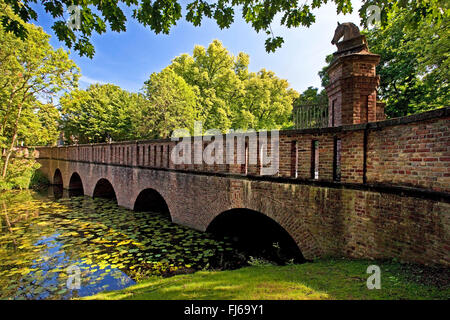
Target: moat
{"points": [[49, 237]]}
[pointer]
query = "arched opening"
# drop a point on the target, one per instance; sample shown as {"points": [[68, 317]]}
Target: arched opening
{"points": [[57, 184], [75, 185], [57, 178], [256, 235], [104, 189], [151, 200]]}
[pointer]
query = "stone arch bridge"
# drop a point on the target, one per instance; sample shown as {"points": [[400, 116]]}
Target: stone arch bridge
{"points": [[371, 190]]}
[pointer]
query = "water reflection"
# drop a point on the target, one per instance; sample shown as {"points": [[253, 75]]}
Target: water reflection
{"points": [[41, 235], [57, 192]]}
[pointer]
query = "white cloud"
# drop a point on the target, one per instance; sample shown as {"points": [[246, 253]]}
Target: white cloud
{"points": [[88, 80]]}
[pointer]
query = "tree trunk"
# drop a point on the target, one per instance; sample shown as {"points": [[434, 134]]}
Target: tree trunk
{"points": [[13, 141], [5, 120]]}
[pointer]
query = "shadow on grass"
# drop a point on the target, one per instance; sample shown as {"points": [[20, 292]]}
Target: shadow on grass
{"points": [[325, 279]]}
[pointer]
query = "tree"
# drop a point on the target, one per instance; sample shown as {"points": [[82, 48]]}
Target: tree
{"points": [[312, 96], [415, 64], [419, 11], [171, 104], [161, 15], [31, 71], [217, 76], [323, 74], [229, 96], [212, 86], [266, 103], [100, 113], [39, 125]]}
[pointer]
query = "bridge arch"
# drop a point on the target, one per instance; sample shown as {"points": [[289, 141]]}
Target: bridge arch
{"points": [[104, 189], [76, 184], [151, 200], [257, 233], [57, 178]]}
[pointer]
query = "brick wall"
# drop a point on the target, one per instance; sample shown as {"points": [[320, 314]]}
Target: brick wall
{"points": [[411, 152], [414, 154], [392, 199], [324, 221]]}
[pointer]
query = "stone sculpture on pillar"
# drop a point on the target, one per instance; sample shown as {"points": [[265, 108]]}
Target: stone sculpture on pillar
{"points": [[353, 81]]}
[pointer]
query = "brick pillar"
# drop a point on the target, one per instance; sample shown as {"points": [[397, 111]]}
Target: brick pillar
{"points": [[353, 83]]}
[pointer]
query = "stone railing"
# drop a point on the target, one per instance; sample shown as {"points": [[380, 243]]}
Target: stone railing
{"points": [[411, 152]]}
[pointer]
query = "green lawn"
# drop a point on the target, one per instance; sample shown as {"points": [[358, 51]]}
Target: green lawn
{"points": [[324, 279]]}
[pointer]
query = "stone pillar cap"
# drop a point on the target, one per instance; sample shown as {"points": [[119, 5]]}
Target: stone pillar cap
{"points": [[355, 44]]}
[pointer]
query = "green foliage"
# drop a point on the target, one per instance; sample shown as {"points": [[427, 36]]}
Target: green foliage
{"points": [[38, 180], [171, 103], [217, 77], [415, 63], [323, 74], [231, 97], [31, 71], [259, 262], [211, 86], [20, 174], [312, 96], [430, 12], [266, 103], [414, 46], [100, 113], [39, 125], [161, 15]]}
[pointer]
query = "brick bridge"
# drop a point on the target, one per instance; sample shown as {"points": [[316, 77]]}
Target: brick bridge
{"points": [[364, 187], [391, 198]]}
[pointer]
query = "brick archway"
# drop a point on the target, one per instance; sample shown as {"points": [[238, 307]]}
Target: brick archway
{"points": [[257, 232], [151, 200], [75, 182], [57, 178], [104, 189]]}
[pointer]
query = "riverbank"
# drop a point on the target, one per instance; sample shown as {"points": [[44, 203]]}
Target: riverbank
{"points": [[323, 280]]}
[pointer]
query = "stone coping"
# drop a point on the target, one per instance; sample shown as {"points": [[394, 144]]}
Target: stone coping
{"points": [[429, 115]]}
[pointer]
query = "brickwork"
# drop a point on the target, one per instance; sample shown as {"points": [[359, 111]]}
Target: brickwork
{"points": [[352, 89], [323, 221], [414, 155], [345, 218], [392, 198], [410, 152]]}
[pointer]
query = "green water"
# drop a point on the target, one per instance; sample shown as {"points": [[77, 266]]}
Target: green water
{"points": [[48, 244]]}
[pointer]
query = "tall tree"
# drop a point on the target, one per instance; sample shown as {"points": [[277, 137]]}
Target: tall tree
{"points": [[218, 76], [31, 70], [231, 97], [171, 104], [266, 103], [100, 113], [39, 125], [312, 96], [415, 63]]}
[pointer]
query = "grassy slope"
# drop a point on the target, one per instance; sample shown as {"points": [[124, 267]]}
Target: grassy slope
{"points": [[325, 279]]}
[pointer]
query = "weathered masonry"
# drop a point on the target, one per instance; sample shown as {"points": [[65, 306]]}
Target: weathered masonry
{"points": [[364, 187], [372, 190]]}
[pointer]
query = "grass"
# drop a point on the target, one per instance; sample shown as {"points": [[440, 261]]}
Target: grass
{"points": [[323, 279]]}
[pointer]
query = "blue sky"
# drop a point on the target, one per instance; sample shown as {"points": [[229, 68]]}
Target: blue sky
{"points": [[127, 59]]}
